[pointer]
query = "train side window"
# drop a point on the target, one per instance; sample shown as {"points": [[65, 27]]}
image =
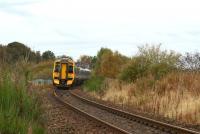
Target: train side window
{"points": [[70, 69], [57, 68]]}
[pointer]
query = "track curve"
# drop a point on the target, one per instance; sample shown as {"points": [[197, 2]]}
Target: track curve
{"points": [[147, 122], [144, 120], [117, 129]]}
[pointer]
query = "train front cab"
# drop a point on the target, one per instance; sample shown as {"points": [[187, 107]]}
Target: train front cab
{"points": [[63, 74]]}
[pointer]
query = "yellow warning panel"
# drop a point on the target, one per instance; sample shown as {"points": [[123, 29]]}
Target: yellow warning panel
{"points": [[63, 71]]}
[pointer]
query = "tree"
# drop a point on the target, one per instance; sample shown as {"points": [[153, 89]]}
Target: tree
{"points": [[109, 64], [151, 60], [48, 55], [101, 52], [190, 61], [2, 54], [85, 61], [93, 62], [154, 54], [38, 56], [18, 51]]}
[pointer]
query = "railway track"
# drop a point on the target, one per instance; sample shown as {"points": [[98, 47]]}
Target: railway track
{"points": [[116, 129], [119, 119]]}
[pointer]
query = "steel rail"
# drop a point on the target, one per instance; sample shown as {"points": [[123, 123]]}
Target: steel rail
{"points": [[115, 128], [140, 119]]}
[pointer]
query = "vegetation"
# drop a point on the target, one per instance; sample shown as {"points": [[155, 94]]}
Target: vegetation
{"points": [[109, 64], [156, 81], [190, 62], [20, 111], [151, 60], [94, 84], [48, 55], [86, 61], [175, 96], [42, 70], [15, 51]]}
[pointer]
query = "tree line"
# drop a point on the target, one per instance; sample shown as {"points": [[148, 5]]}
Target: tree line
{"points": [[110, 64], [16, 51], [150, 60]]}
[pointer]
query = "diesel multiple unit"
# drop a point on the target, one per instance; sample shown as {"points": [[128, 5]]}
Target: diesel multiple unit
{"points": [[63, 72]]}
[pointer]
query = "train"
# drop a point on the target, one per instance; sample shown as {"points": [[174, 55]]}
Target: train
{"points": [[66, 74]]}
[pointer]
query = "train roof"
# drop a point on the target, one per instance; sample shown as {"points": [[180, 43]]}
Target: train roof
{"points": [[64, 60]]}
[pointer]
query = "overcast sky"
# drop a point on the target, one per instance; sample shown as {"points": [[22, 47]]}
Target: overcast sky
{"points": [[76, 27]]}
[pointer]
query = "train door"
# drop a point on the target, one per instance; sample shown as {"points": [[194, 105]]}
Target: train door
{"points": [[63, 71]]}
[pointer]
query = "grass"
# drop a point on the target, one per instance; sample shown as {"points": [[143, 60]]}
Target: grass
{"points": [[94, 84], [43, 70], [176, 96], [20, 111]]}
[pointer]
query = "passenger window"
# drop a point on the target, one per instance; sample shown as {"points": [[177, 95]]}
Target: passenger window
{"points": [[70, 69], [57, 68]]}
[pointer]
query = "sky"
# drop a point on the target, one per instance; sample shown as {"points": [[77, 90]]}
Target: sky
{"points": [[78, 27]]}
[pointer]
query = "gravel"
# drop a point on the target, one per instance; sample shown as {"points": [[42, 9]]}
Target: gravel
{"points": [[60, 119], [126, 124], [131, 109]]}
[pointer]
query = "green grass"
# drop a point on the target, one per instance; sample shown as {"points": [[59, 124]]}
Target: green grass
{"points": [[43, 70], [19, 112], [94, 83]]}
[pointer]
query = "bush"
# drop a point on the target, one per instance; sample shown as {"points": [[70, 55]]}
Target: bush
{"points": [[159, 70], [151, 60], [155, 55], [135, 69], [94, 83]]}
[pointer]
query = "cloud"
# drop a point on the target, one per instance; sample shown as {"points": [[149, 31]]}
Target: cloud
{"points": [[66, 35], [194, 33], [11, 3], [16, 11], [16, 7], [82, 27]]}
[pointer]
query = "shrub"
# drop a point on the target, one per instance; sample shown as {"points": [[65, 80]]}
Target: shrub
{"points": [[94, 83], [151, 60], [159, 70], [135, 69], [155, 55]]}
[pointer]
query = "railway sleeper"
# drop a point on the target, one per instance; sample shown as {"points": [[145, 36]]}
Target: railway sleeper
{"points": [[153, 124]]}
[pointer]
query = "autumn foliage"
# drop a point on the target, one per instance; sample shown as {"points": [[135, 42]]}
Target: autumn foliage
{"points": [[109, 64]]}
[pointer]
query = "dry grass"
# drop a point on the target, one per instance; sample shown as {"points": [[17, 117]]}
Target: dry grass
{"points": [[176, 96], [43, 70]]}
